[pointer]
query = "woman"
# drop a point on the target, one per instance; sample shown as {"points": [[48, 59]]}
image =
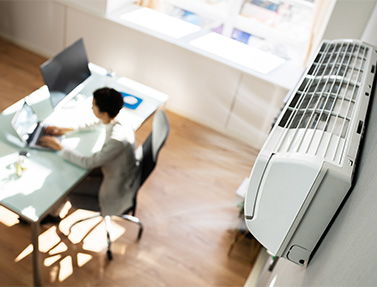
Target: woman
{"points": [[114, 191]]}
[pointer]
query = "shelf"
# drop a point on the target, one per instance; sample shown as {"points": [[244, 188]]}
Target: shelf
{"points": [[266, 32], [289, 25], [203, 8], [159, 22], [238, 53]]}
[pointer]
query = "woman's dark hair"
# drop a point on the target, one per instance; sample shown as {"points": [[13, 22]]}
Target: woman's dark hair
{"points": [[108, 100]]}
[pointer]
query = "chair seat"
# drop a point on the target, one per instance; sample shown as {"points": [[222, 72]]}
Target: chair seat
{"points": [[84, 202]]}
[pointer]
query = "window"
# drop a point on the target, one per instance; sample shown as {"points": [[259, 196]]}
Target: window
{"points": [[275, 31]]}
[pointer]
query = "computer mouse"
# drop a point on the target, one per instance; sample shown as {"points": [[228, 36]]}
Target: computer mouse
{"points": [[130, 100]]}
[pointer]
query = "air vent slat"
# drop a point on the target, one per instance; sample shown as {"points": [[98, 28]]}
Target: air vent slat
{"points": [[318, 116]]}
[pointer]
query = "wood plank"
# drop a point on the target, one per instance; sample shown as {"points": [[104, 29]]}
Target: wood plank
{"points": [[19, 73], [188, 208]]}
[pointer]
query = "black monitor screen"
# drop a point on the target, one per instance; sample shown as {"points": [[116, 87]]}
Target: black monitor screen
{"points": [[65, 71]]}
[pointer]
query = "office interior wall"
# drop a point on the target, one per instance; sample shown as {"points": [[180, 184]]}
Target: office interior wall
{"points": [[96, 5], [114, 5], [349, 19], [100, 7], [347, 255], [36, 25], [255, 102], [199, 88], [369, 34]]}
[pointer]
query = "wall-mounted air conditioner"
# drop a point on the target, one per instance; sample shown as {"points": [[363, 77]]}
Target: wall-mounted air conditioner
{"points": [[306, 166]]}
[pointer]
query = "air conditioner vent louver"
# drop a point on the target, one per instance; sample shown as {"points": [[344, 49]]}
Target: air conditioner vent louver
{"points": [[306, 166], [319, 113]]}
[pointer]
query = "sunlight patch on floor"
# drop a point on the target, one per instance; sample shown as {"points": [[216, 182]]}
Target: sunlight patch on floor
{"points": [[7, 217], [64, 211], [96, 240], [119, 249], [51, 260], [80, 230], [90, 237], [48, 239], [83, 258], [66, 268], [60, 248], [27, 251], [54, 273]]}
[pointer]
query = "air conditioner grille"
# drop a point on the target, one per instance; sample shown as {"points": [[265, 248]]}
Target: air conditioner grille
{"points": [[317, 118]]}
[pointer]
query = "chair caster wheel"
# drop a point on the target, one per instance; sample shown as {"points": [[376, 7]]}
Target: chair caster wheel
{"points": [[140, 234], [109, 255]]}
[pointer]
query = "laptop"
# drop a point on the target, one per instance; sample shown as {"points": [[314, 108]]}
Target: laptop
{"points": [[28, 127]]}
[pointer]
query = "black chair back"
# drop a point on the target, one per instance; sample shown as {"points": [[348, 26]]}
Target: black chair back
{"points": [[150, 149], [147, 164], [153, 144]]}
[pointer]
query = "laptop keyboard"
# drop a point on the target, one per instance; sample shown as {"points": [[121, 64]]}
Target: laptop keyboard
{"points": [[41, 134]]}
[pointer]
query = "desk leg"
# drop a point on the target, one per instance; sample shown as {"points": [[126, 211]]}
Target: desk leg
{"points": [[36, 260]]}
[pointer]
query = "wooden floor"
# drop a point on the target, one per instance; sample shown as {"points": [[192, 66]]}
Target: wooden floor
{"points": [[188, 207]]}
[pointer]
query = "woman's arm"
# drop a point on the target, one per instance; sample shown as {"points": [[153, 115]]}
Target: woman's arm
{"points": [[51, 142], [56, 131], [109, 151]]}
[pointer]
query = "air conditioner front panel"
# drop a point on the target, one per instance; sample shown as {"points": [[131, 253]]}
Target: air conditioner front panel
{"points": [[285, 186]]}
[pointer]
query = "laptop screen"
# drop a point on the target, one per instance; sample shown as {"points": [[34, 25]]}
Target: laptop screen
{"points": [[64, 72], [24, 122]]}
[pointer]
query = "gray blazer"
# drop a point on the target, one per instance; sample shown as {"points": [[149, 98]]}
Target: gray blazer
{"points": [[119, 167]]}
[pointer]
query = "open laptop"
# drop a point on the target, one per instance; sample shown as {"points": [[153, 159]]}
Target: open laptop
{"points": [[28, 127]]}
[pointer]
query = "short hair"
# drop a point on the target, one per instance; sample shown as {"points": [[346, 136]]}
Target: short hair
{"points": [[108, 100]]}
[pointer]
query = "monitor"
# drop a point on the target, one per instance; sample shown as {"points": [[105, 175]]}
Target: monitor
{"points": [[65, 73]]}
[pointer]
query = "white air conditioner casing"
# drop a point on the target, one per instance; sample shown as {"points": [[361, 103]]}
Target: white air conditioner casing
{"points": [[305, 168]]}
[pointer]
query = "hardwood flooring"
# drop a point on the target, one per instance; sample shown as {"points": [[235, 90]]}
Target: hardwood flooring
{"points": [[188, 207]]}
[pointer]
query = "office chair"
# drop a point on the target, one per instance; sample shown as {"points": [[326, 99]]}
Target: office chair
{"points": [[146, 155]]}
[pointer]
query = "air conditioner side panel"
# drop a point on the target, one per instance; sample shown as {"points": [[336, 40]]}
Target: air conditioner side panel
{"points": [[326, 201], [282, 191]]}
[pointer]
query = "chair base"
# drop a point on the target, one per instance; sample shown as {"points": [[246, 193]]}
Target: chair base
{"points": [[136, 220], [107, 219]]}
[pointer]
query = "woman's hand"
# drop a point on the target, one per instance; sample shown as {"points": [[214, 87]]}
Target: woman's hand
{"points": [[57, 131], [51, 142]]}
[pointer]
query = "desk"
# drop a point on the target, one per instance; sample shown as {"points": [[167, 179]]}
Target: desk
{"points": [[49, 178]]}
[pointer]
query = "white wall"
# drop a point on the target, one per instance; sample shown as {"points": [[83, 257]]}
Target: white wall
{"points": [[349, 19], [38, 25], [369, 34], [207, 91]]}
